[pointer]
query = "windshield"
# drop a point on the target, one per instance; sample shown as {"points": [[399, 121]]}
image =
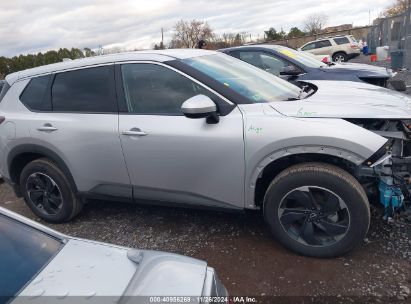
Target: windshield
{"points": [[243, 78], [301, 57], [23, 253]]}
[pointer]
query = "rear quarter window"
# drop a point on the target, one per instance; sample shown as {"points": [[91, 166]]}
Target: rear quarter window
{"points": [[34, 94], [341, 40], [3, 90]]}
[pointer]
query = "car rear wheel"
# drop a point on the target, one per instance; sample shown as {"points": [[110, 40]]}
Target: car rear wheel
{"points": [[340, 57], [47, 192], [317, 210]]}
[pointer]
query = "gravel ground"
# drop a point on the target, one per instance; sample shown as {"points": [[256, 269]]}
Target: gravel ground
{"points": [[247, 259]]}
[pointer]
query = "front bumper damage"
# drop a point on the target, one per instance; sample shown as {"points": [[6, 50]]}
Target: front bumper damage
{"points": [[386, 176]]}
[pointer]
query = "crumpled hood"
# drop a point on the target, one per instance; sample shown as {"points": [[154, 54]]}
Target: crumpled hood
{"points": [[346, 99], [361, 70]]}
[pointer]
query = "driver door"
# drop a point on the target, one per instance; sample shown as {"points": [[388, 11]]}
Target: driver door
{"points": [[170, 157]]}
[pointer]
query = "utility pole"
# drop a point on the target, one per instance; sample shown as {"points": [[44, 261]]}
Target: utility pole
{"points": [[162, 37], [369, 17]]}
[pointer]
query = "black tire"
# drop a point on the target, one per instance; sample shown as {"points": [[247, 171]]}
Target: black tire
{"points": [[69, 206], [340, 57], [322, 177]]}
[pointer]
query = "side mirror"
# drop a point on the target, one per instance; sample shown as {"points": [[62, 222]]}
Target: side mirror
{"points": [[290, 70], [200, 106]]}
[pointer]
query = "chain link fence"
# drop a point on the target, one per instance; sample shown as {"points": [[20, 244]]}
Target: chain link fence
{"points": [[394, 32]]}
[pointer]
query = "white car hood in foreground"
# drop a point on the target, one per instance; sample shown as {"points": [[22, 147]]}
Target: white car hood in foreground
{"points": [[346, 99], [95, 272]]}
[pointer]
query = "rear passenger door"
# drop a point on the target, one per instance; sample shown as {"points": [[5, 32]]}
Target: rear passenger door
{"points": [[78, 119]]}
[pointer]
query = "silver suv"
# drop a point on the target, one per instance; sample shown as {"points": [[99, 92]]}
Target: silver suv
{"points": [[203, 129]]}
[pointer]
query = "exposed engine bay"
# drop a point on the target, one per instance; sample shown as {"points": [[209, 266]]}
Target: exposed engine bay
{"points": [[387, 175]]}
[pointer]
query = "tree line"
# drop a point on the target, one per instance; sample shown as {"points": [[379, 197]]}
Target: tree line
{"points": [[22, 62]]}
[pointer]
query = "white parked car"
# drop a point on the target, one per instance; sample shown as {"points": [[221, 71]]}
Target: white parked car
{"points": [[41, 265]]}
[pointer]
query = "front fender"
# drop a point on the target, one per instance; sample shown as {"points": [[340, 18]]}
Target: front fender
{"points": [[273, 136]]}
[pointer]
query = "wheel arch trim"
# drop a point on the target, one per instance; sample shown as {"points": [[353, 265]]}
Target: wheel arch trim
{"points": [[46, 152], [258, 170]]}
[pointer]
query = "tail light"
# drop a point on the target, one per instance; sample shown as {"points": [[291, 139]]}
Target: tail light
{"points": [[325, 59], [2, 119], [354, 46]]}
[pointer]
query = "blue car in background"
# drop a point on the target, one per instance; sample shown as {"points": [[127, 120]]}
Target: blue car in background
{"points": [[295, 66]]}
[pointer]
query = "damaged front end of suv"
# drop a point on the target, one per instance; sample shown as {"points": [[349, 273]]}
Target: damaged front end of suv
{"points": [[386, 175]]}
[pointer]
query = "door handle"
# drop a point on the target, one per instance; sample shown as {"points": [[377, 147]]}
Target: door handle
{"points": [[47, 128], [134, 132]]}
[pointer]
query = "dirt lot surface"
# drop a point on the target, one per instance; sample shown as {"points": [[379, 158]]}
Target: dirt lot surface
{"points": [[247, 259]]}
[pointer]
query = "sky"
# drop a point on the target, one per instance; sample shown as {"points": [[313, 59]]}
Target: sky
{"points": [[28, 26]]}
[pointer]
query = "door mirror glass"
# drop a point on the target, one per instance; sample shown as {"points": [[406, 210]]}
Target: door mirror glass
{"points": [[199, 106], [290, 70]]}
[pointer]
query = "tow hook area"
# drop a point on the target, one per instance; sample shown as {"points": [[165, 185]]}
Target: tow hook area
{"points": [[391, 198], [393, 188]]}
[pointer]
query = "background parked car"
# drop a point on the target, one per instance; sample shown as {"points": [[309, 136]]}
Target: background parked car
{"points": [[294, 65], [340, 48], [36, 261]]}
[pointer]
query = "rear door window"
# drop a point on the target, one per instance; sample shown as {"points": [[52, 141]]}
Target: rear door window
{"points": [[24, 251], [34, 94], [341, 40], [89, 90]]}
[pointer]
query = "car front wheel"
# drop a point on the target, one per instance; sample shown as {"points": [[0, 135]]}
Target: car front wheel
{"points": [[317, 210]]}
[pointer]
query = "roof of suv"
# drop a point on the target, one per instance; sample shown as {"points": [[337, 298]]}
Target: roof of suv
{"points": [[160, 56], [329, 37]]}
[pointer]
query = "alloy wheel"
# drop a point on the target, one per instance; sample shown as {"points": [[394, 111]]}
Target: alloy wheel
{"points": [[44, 193], [339, 58], [314, 216]]}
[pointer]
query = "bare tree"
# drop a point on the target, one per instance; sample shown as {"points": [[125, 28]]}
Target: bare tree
{"points": [[188, 33], [313, 24], [397, 8], [113, 50]]}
